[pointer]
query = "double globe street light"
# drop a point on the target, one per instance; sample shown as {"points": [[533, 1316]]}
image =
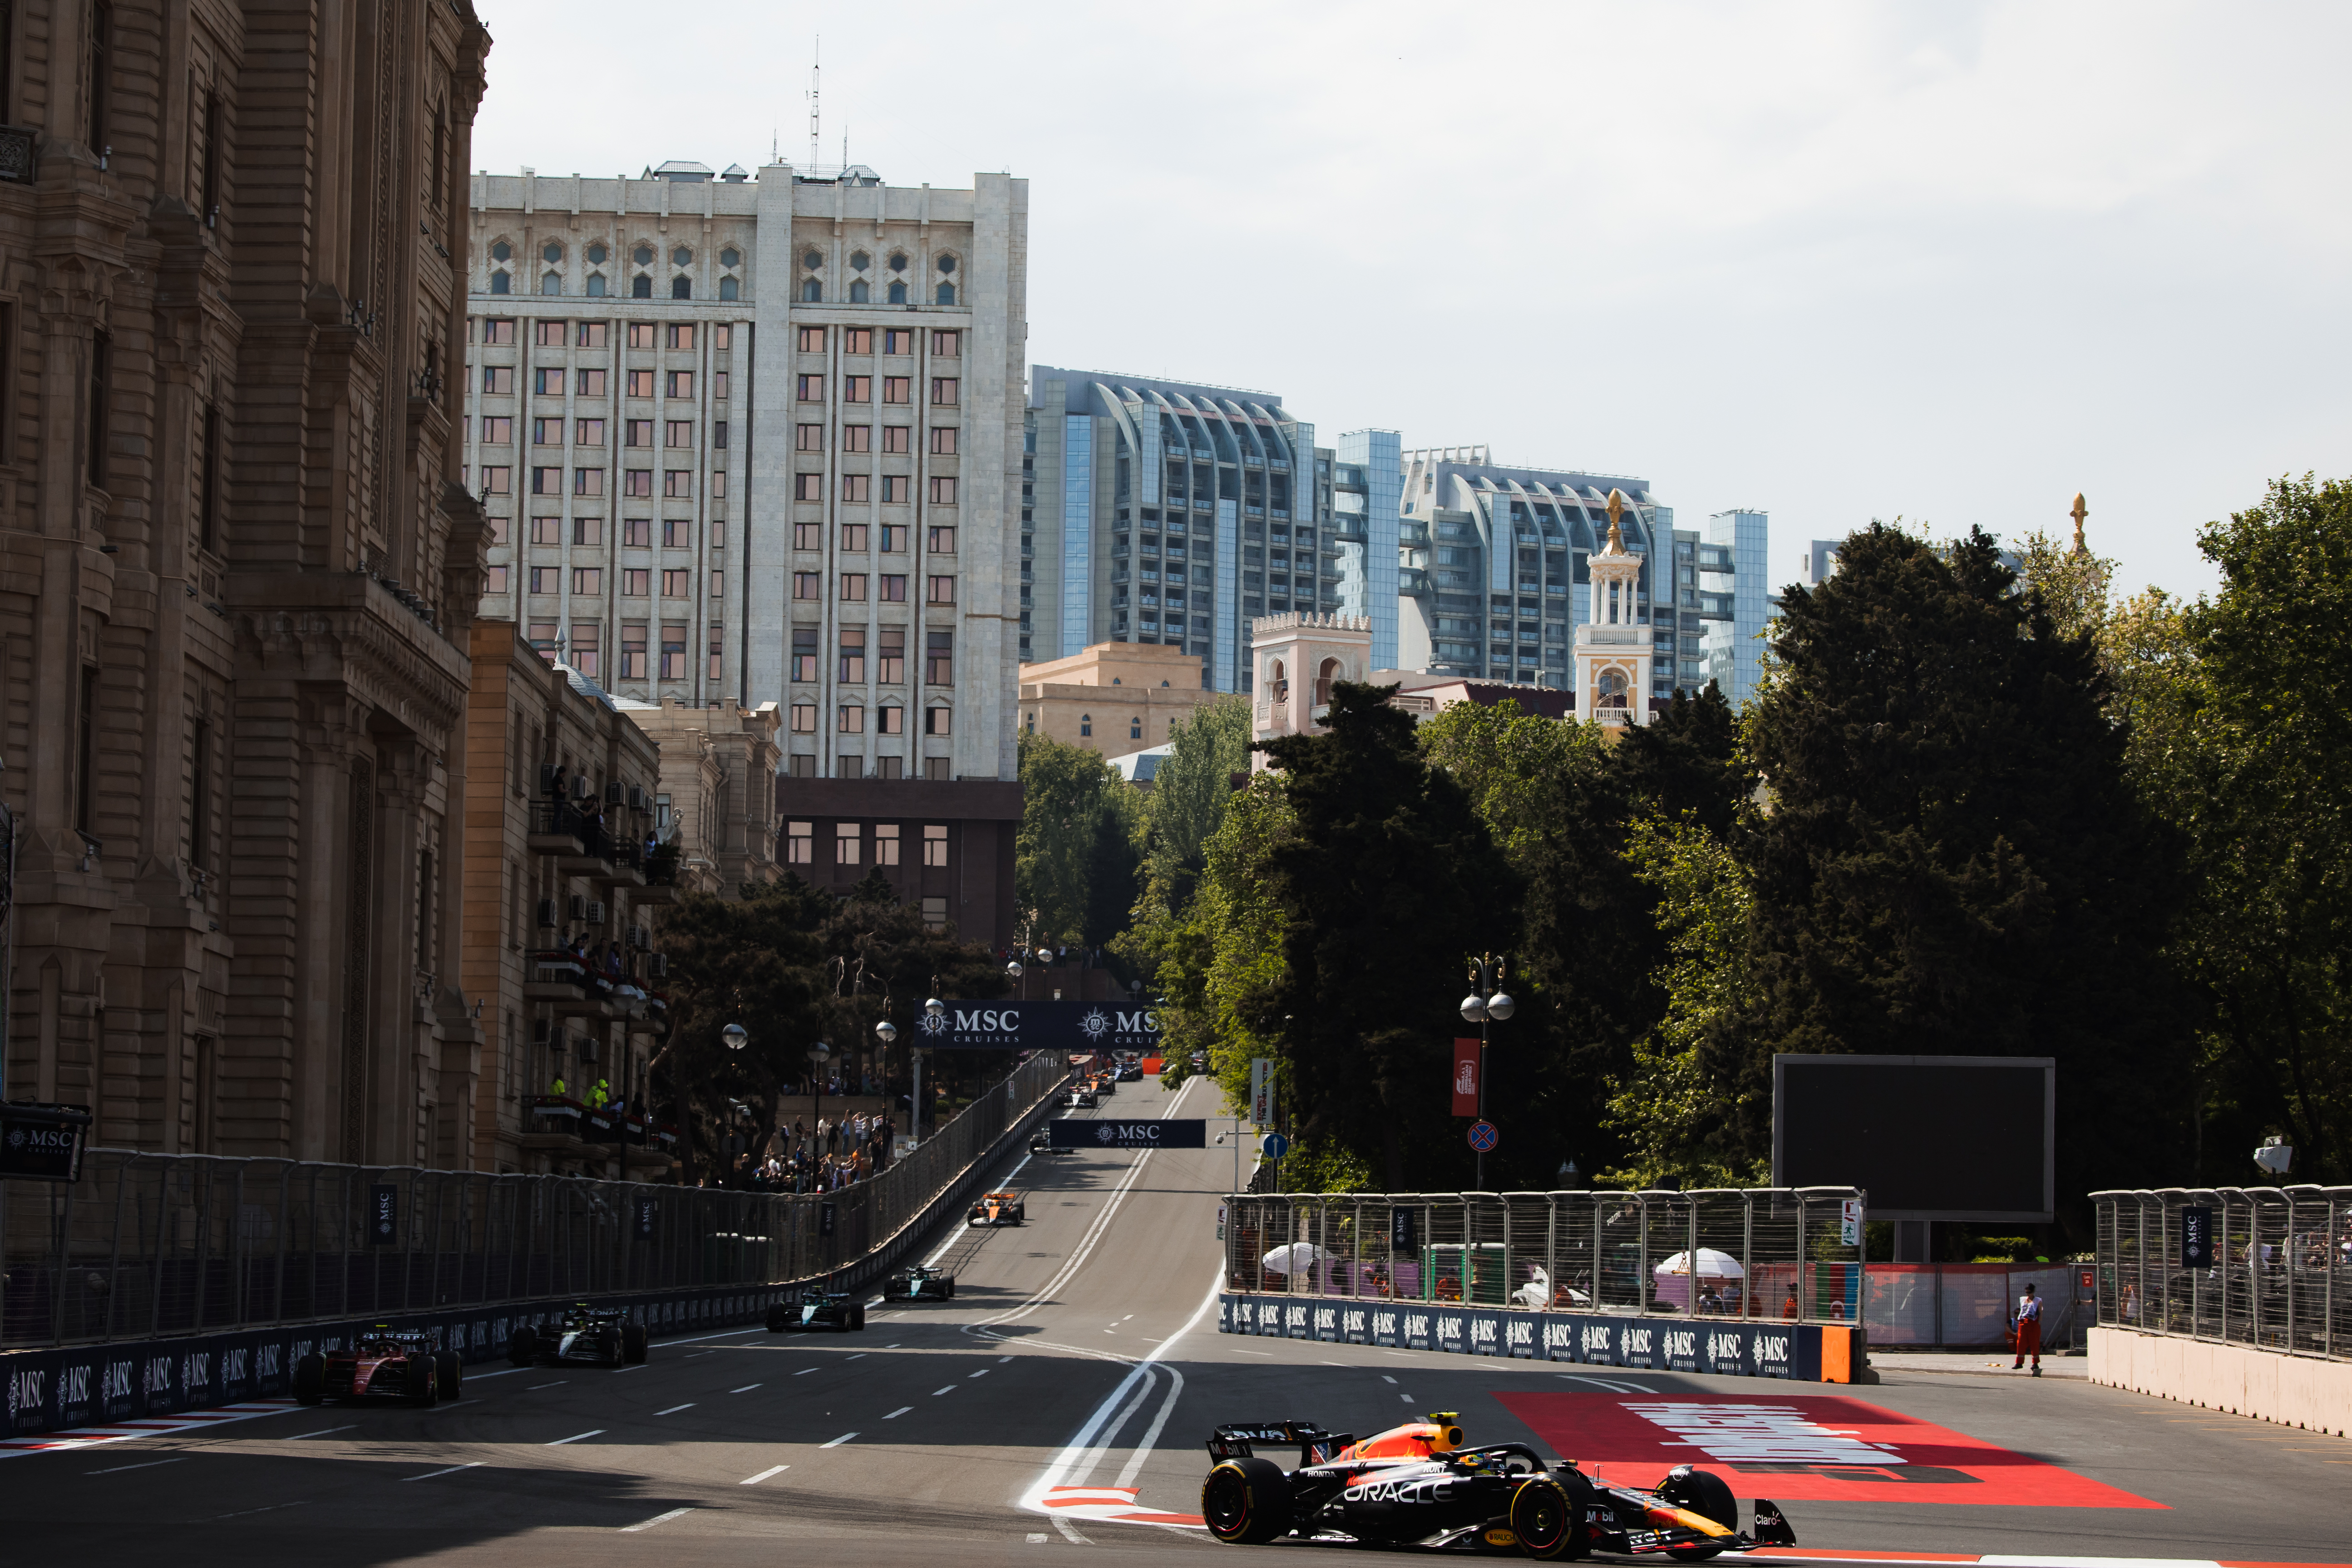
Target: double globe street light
{"points": [[1487, 1003]]}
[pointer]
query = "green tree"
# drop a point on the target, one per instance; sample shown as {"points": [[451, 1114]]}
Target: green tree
{"points": [[1075, 857], [1209, 750], [1953, 862]]}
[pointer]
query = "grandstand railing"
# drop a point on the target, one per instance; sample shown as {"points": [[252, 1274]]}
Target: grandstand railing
{"points": [[1562, 1251], [145, 1246], [2278, 1275]]}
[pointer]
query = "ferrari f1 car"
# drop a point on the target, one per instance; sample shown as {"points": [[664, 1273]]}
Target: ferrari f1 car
{"points": [[818, 1310], [919, 1282], [599, 1336], [1418, 1485], [999, 1208], [380, 1367]]}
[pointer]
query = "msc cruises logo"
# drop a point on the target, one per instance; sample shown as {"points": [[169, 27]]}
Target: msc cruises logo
{"points": [[934, 1024], [1094, 1025]]}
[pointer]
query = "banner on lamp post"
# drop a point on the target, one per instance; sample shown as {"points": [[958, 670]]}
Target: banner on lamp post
{"points": [[1262, 1091], [1465, 1078]]}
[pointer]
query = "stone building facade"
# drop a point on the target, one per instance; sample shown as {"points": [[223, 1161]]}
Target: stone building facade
{"points": [[1113, 698], [753, 438], [239, 570], [716, 799]]}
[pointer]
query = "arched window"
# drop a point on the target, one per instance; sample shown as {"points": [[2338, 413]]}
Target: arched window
{"points": [[501, 251], [1612, 686], [897, 261], [947, 264], [643, 256], [1086, 723], [730, 257], [727, 288], [947, 293], [597, 253], [812, 259], [500, 283], [1135, 728], [595, 285], [810, 291], [680, 257], [641, 287], [859, 260], [681, 287], [551, 253], [858, 294], [1277, 685], [897, 293], [1323, 679], [551, 284]]}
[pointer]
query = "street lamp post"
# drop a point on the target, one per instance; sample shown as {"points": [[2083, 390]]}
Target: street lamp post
{"points": [[818, 1054], [736, 1037], [888, 1034], [933, 1009], [1013, 971], [1486, 1002]]}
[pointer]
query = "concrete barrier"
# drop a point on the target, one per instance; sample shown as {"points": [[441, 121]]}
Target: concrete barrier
{"points": [[2292, 1390]]}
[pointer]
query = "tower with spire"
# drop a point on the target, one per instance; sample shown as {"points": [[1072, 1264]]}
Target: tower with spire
{"points": [[1613, 645]]}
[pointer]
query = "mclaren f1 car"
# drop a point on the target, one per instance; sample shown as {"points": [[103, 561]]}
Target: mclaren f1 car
{"points": [[1418, 1485], [381, 1365], [919, 1282], [594, 1336], [996, 1208], [818, 1310]]}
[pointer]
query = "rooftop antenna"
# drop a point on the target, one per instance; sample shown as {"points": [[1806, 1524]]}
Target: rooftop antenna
{"points": [[817, 61]]}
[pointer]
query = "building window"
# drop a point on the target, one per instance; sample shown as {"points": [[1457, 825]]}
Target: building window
{"points": [[808, 487], [673, 651], [890, 656], [946, 294], [804, 653], [853, 587], [898, 292], [943, 591], [681, 334], [548, 381], [939, 720], [637, 582], [498, 481], [808, 438], [803, 718], [885, 844], [858, 293], [587, 580], [812, 259], [717, 650], [812, 339], [681, 287], [945, 391], [677, 583], [944, 541], [595, 285], [545, 579], [588, 531], [853, 656], [499, 332], [898, 388], [893, 438], [636, 532], [681, 384], [497, 580], [894, 489], [641, 384], [641, 287], [585, 638], [858, 389], [550, 283], [587, 481], [804, 585], [939, 658], [800, 837], [677, 484], [636, 432], [943, 490], [1134, 729], [633, 650], [890, 721], [1086, 723], [677, 433], [935, 852], [943, 441], [812, 291], [892, 587], [845, 844], [587, 432], [498, 380], [808, 536], [718, 584], [947, 345], [811, 389], [852, 720], [547, 530], [857, 437], [637, 482]]}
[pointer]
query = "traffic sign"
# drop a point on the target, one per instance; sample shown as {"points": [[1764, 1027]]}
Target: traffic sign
{"points": [[1483, 1136], [1275, 1145]]}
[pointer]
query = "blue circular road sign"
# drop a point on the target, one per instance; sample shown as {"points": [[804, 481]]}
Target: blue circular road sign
{"points": [[1483, 1136], [1275, 1145]]}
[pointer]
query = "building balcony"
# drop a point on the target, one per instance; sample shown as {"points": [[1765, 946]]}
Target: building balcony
{"points": [[1412, 580], [565, 983], [556, 829], [624, 867]]}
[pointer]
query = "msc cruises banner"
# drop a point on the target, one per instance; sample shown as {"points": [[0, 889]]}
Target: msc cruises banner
{"points": [[1010, 1024]]}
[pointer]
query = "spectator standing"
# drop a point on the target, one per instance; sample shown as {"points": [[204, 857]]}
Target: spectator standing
{"points": [[2027, 1320]]}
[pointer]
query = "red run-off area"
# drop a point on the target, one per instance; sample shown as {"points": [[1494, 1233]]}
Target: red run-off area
{"points": [[1801, 1447]]}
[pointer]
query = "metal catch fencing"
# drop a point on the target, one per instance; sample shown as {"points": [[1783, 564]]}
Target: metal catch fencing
{"points": [[1766, 1252], [146, 1245], [2274, 1272]]}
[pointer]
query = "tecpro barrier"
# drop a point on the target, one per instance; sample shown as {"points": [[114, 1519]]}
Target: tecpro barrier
{"points": [[1802, 1352]]}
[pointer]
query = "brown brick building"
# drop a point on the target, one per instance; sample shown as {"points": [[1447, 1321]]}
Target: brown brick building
{"points": [[239, 571], [946, 845]]}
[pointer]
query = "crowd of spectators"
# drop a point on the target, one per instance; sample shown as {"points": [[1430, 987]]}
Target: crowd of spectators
{"points": [[836, 1153]]}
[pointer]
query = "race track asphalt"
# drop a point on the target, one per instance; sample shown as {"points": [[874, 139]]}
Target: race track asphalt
{"points": [[939, 1435]]}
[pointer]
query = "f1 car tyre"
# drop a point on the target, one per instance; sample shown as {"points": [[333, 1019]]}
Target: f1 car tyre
{"points": [[1705, 1493], [635, 1344], [422, 1381], [950, 1289], [310, 1379], [857, 1318], [608, 1345], [521, 1345], [778, 1320], [450, 1372], [1247, 1502], [1549, 1524]]}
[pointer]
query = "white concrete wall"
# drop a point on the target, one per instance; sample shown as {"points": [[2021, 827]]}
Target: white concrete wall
{"points": [[2293, 1390]]}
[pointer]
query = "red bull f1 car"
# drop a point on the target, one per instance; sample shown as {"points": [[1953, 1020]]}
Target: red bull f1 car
{"points": [[818, 1310], [1417, 1485], [381, 1365], [998, 1208], [921, 1283], [598, 1336]]}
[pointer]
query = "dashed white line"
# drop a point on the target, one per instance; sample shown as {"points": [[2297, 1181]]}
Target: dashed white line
{"points": [[594, 1432], [859, 1356], [982, 1372], [764, 1475], [117, 1469], [535, 1387], [805, 1371], [657, 1518], [1387, 1379], [1003, 1359], [321, 1432], [1406, 1397], [452, 1471], [675, 1408], [845, 1437], [894, 1414], [951, 1388], [271, 1508], [745, 1389]]}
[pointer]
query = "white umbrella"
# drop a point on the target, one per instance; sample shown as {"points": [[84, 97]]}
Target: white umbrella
{"points": [[1538, 1293], [1297, 1254], [1711, 1265]]}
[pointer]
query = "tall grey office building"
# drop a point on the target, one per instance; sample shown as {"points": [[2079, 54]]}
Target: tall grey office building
{"points": [[1174, 512], [769, 428]]}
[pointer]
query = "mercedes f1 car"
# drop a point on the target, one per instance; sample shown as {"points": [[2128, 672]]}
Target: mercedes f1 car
{"points": [[818, 1310], [921, 1283], [1417, 1485], [999, 1208], [1042, 1142], [1081, 1098], [598, 1336], [379, 1365]]}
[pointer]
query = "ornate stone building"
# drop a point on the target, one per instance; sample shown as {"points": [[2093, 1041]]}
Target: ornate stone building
{"points": [[240, 569]]}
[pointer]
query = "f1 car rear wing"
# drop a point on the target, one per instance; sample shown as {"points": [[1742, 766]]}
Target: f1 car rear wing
{"points": [[1316, 1446]]}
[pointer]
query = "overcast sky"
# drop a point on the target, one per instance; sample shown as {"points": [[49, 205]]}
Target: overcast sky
{"points": [[1837, 261]]}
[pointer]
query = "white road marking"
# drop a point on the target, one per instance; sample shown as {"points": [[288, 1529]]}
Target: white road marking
{"points": [[1387, 1379], [1032, 1499], [1003, 1359], [896, 1413], [675, 1408], [117, 1469], [861, 1356], [321, 1432], [745, 1389], [657, 1518], [1130, 1315], [982, 1372], [805, 1371], [1406, 1397], [764, 1475], [1601, 1383], [452, 1471], [535, 1387], [594, 1432], [1036, 1538], [1064, 1526], [845, 1437], [270, 1508]]}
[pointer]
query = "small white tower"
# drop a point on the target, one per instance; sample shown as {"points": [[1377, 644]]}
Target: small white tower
{"points": [[1295, 658], [1613, 647]]}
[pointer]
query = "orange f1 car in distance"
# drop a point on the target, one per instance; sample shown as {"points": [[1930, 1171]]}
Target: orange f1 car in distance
{"points": [[1005, 1208]]}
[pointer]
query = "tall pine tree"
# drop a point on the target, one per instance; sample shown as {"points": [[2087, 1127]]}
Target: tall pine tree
{"points": [[1951, 862]]}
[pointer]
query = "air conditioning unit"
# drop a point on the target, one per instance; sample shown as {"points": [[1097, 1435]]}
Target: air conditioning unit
{"points": [[547, 778], [595, 915], [658, 966], [546, 912], [639, 800], [581, 789], [640, 937], [580, 907], [613, 793]]}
